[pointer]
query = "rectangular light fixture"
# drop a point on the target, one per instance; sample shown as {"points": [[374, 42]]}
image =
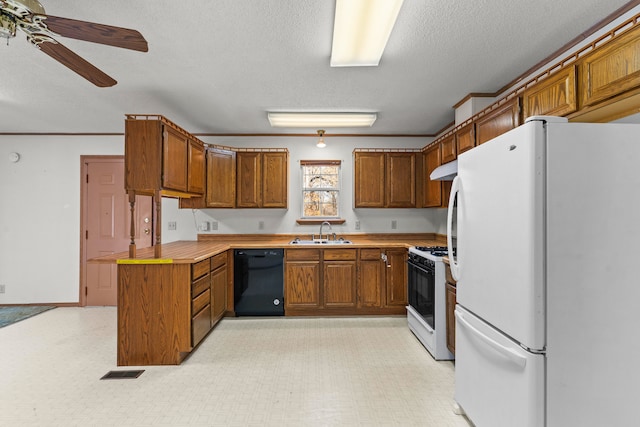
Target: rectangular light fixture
{"points": [[361, 30], [322, 120]]}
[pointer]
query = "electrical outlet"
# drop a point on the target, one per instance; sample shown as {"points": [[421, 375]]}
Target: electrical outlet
{"points": [[358, 225], [394, 224], [214, 225], [173, 225], [260, 225], [204, 226], [2, 289]]}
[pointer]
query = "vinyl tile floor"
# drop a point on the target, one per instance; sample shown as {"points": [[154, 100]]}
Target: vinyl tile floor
{"points": [[353, 371]]}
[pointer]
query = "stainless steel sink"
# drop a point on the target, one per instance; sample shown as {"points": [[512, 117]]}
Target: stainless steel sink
{"points": [[297, 241]]}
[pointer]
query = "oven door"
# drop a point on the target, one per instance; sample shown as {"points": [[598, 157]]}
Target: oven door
{"points": [[421, 288]]}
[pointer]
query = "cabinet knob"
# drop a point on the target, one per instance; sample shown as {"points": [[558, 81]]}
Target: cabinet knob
{"points": [[147, 231]]}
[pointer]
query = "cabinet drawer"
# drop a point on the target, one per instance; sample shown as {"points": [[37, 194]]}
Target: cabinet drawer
{"points": [[200, 301], [218, 260], [200, 325], [199, 269], [302, 254], [339, 254], [200, 285], [370, 254]]}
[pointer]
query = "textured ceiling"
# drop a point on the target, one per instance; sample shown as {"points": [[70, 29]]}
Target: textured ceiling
{"points": [[219, 66]]}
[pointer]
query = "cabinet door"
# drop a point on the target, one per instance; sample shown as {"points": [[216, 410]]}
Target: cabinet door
{"points": [[451, 321], [195, 170], [396, 277], [611, 69], [369, 180], [401, 180], [371, 283], [274, 182], [174, 160], [553, 96], [221, 179], [218, 294], [248, 186], [498, 121], [432, 190], [448, 149], [302, 284], [339, 283], [466, 138]]}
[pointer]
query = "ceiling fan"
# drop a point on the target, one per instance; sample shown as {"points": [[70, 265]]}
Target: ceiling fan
{"points": [[30, 17]]}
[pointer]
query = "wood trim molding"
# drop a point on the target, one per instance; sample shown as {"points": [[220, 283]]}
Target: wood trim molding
{"points": [[309, 221]]}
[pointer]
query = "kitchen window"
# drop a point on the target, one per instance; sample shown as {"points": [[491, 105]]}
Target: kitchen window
{"points": [[320, 189]]}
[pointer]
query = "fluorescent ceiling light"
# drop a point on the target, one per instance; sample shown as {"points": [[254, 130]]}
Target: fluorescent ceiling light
{"points": [[325, 120], [361, 29]]}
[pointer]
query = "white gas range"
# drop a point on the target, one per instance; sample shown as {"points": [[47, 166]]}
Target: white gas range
{"points": [[426, 312]]}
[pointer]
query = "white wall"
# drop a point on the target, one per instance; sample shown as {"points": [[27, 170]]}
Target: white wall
{"points": [[40, 207], [40, 215], [284, 220]]}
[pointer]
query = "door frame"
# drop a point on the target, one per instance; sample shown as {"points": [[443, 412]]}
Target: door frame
{"points": [[84, 159]]}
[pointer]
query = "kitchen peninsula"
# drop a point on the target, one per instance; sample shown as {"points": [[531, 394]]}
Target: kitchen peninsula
{"points": [[167, 306]]}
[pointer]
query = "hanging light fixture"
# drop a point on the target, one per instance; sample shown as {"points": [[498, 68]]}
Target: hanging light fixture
{"points": [[321, 143]]}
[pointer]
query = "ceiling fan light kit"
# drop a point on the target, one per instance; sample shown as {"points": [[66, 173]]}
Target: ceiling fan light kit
{"points": [[361, 30], [316, 120], [40, 29]]}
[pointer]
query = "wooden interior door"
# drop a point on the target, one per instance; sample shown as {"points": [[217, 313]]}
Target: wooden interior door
{"points": [[106, 226]]}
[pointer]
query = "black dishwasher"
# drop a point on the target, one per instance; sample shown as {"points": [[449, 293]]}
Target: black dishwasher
{"points": [[258, 282]]}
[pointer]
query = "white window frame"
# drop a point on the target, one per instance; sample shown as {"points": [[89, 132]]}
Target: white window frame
{"points": [[338, 189]]}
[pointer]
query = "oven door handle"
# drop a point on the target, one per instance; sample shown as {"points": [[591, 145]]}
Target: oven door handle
{"points": [[419, 267], [453, 262]]}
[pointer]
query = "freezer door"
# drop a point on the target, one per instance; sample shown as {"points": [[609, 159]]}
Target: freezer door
{"points": [[500, 219], [498, 383]]}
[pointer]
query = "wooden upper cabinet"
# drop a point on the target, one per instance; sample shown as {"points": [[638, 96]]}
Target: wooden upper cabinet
{"points": [[160, 157], [196, 166], [221, 179], [553, 96], [498, 121], [262, 179], [465, 138], [448, 149], [369, 180], [431, 190], [174, 160], [275, 183], [249, 180], [401, 180], [611, 69]]}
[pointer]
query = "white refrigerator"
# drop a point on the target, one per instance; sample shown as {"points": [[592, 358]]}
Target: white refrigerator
{"points": [[548, 271]]}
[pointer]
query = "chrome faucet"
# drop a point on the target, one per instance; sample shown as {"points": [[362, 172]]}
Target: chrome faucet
{"points": [[322, 225]]}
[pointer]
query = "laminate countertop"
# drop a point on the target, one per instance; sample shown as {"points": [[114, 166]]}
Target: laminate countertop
{"points": [[188, 251]]}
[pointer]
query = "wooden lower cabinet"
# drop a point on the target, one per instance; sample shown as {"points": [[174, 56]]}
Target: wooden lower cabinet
{"points": [[396, 277], [344, 282], [218, 287], [371, 279], [451, 307], [451, 320], [302, 279], [165, 310]]}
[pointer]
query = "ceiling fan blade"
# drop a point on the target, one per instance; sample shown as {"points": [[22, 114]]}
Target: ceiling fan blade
{"points": [[96, 33], [75, 63]]}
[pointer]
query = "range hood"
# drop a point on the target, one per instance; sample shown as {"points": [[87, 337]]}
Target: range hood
{"points": [[445, 172]]}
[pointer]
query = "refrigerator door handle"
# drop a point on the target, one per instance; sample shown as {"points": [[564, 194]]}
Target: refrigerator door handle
{"points": [[509, 354], [455, 266]]}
